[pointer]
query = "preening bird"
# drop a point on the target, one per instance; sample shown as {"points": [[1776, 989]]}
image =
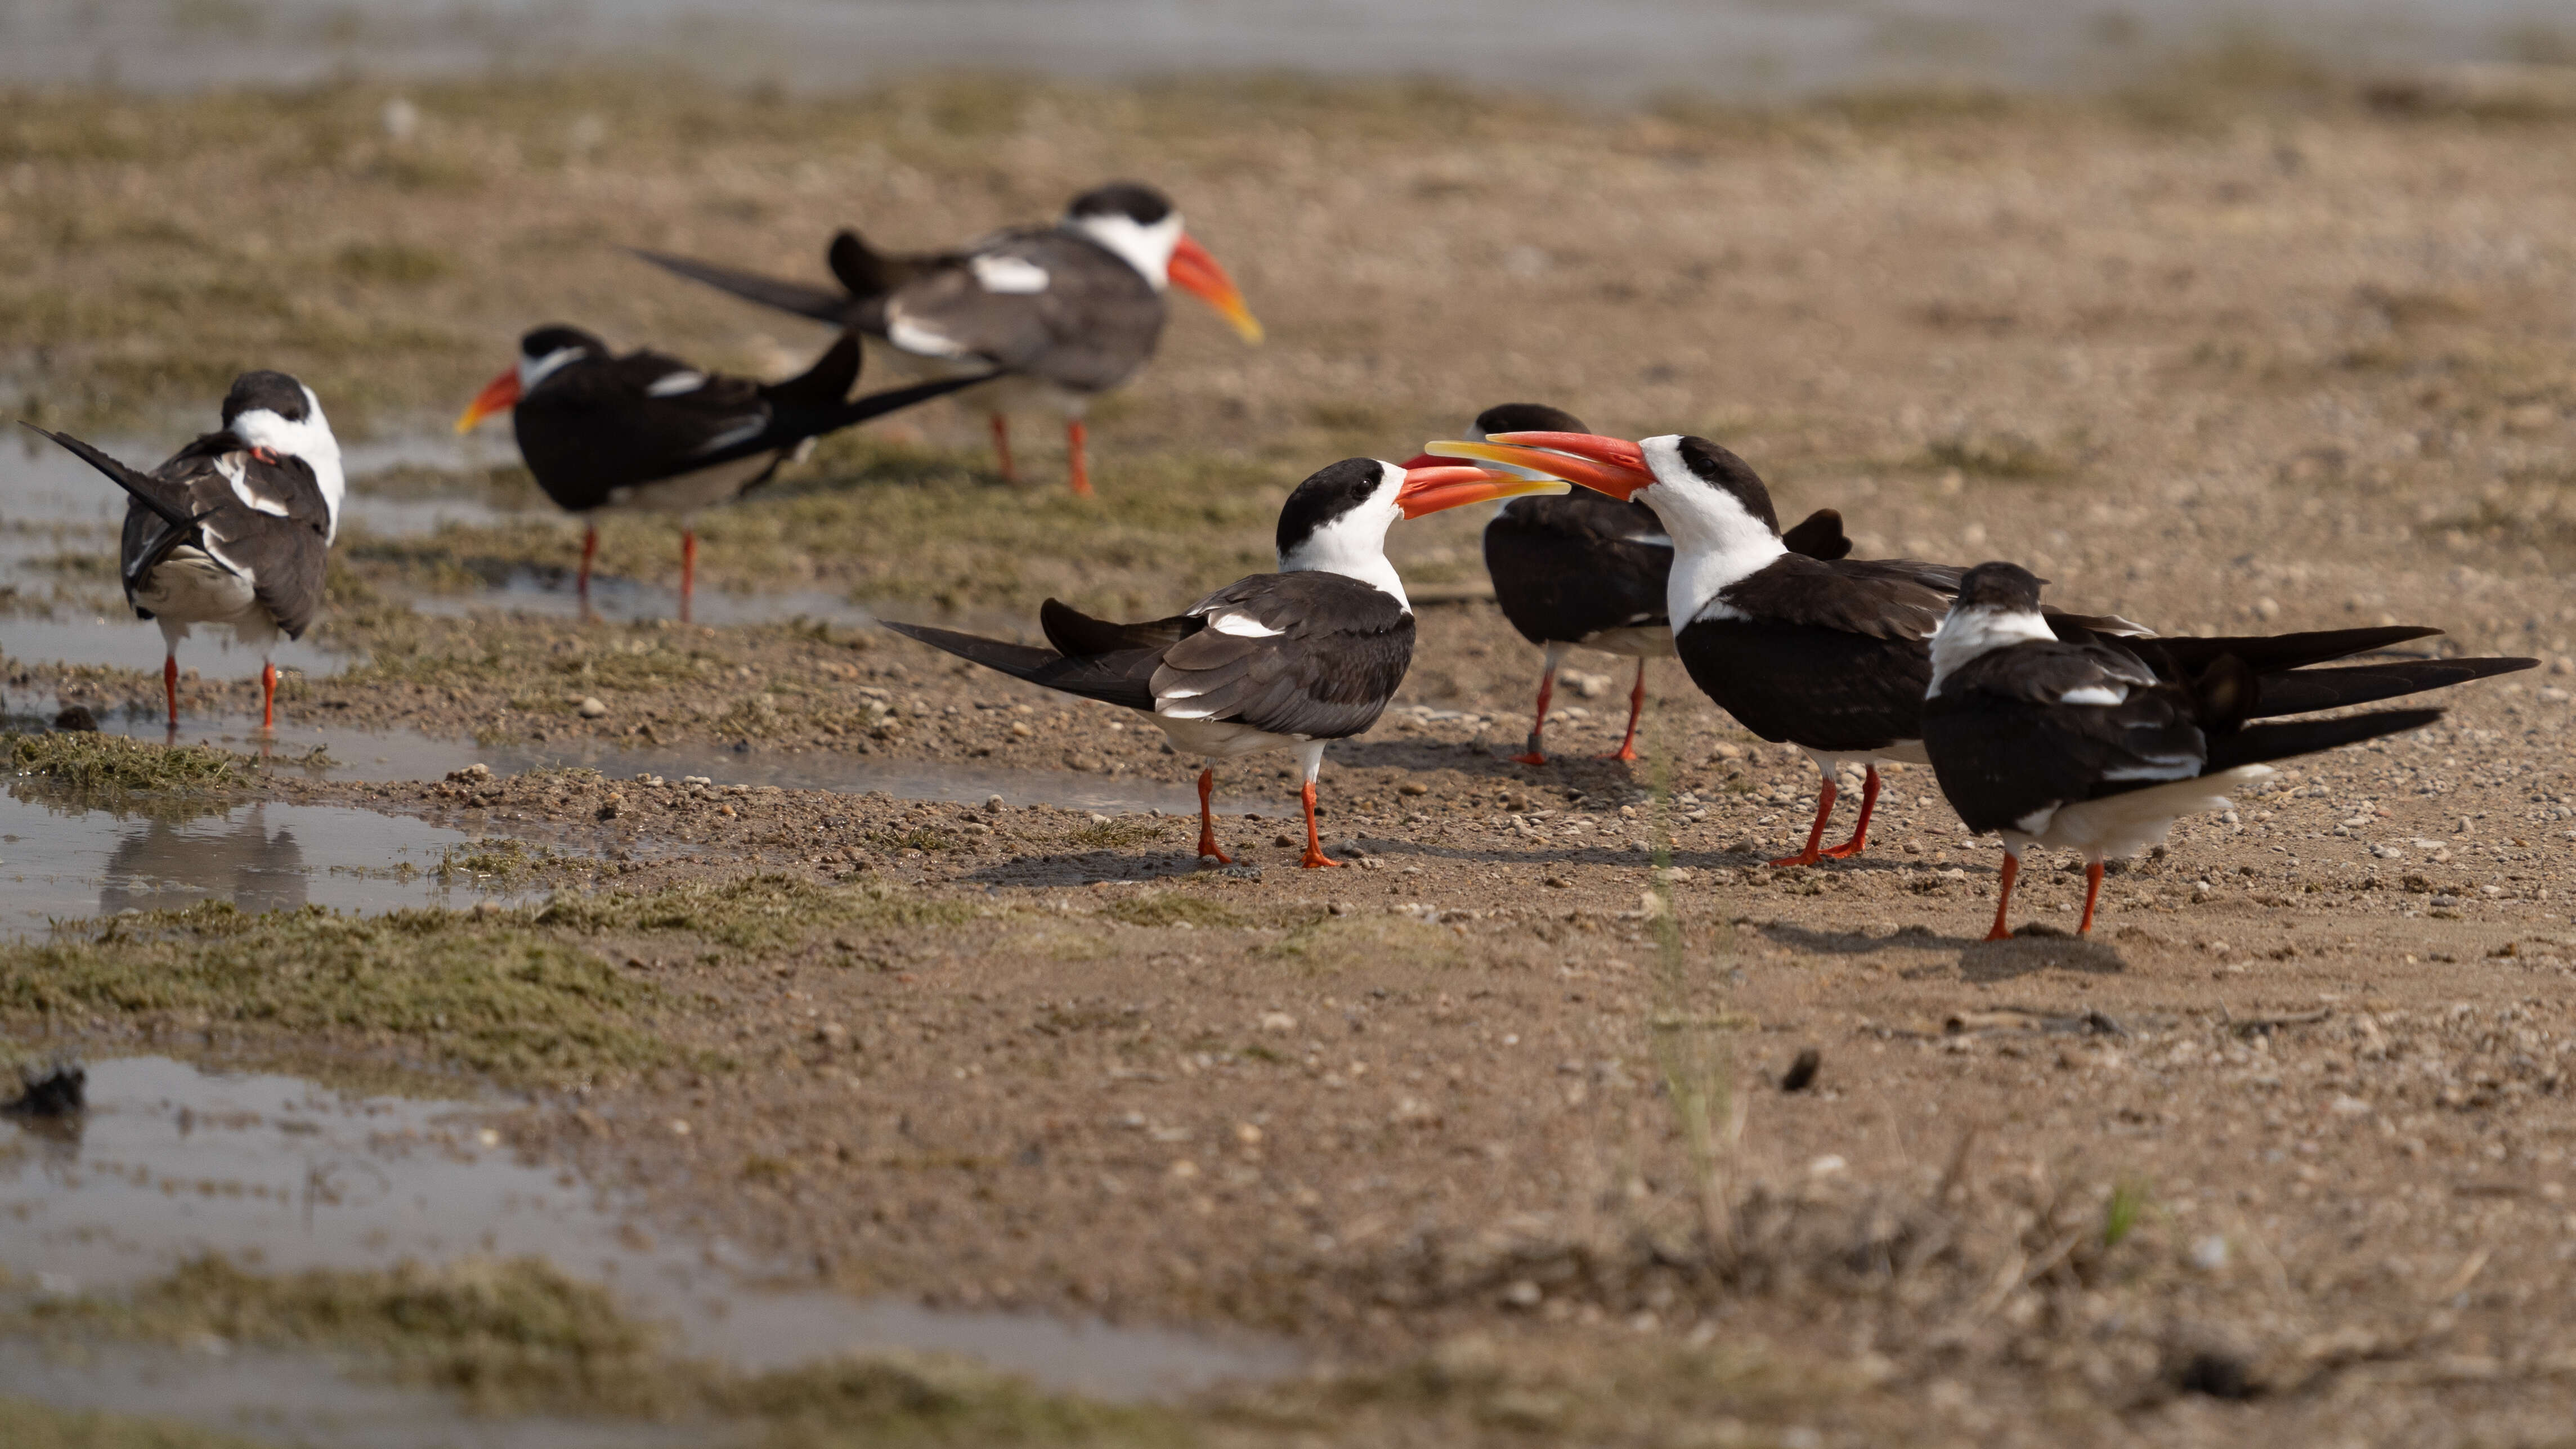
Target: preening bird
{"points": [[1286, 660], [1063, 313], [648, 432], [235, 529], [2100, 745]]}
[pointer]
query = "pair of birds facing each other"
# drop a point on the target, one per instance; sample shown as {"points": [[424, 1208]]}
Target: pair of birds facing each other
{"points": [[1584, 569], [1048, 316], [234, 529], [1286, 660], [1849, 659], [604, 433]]}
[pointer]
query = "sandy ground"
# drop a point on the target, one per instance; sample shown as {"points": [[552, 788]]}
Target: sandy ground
{"points": [[2281, 1150]]}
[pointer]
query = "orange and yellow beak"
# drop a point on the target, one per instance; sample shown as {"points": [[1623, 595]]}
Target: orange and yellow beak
{"points": [[500, 393], [1195, 272], [1445, 485], [1607, 465]]}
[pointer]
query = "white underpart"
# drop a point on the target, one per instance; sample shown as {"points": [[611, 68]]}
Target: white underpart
{"points": [[310, 440], [1975, 631], [2123, 825], [1146, 248], [1014, 276], [1218, 739], [675, 384], [534, 370], [1903, 752], [1637, 642], [191, 587], [1354, 545], [690, 492], [1716, 540]]}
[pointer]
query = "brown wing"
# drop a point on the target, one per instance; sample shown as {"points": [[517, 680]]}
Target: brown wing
{"points": [[1043, 302], [1312, 654], [1875, 599]]}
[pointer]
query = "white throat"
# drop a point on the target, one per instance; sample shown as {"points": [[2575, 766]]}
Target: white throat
{"points": [[309, 440], [1970, 631], [1146, 248], [1716, 540], [1354, 546]]}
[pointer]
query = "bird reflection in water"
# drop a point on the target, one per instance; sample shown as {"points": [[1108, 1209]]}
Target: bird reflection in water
{"points": [[165, 865]]}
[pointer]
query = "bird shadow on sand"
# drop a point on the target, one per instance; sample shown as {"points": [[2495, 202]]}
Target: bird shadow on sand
{"points": [[2035, 949]]}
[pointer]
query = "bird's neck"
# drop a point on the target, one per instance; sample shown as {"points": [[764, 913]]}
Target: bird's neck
{"points": [[1972, 631], [1346, 552], [1716, 544]]}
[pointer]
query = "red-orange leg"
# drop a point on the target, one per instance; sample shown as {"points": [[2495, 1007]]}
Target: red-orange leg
{"points": [[1315, 859], [1815, 832], [1208, 848], [1002, 449], [170, 686], [2003, 896], [1860, 833], [1076, 457], [1636, 706], [267, 696], [1536, 754], [688, 569], [589, 551], [2092, 891]]}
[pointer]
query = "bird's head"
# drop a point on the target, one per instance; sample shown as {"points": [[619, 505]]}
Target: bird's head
{"points": [[1140, 225], [542, 353]]}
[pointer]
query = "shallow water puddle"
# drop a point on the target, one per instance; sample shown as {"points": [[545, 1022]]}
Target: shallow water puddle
{"points": [[287, 1398], [171, 1161], [411, 755], [63, 860]]}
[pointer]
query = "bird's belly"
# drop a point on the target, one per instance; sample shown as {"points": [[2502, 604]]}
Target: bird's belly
{"points": [[1220, 739], [1644, 641], [689, 492], [2118, 826], [190, 588], [1012, 392]]}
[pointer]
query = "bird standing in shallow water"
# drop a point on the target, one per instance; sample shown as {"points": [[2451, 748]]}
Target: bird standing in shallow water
{"points": [[235, 529]]}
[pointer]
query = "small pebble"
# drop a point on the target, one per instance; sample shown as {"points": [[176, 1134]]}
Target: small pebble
{"points": [[591, 707]]}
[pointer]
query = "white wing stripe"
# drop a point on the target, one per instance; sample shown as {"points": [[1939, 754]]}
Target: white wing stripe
{"points": [[2105, 694], [673, 384], [1015, 276]]}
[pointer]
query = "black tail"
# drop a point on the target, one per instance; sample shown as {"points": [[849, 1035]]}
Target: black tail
{"points": [[824, 385], [1123, 678], [867, 272], [2301, 691], [793, 426], [1819, 535], [820, 303], [145, 488], [2272, 653], [1075, 633], [2257, 744]]}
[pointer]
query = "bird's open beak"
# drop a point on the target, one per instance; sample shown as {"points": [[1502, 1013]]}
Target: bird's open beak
{"points": [[1445, 485], [1608, 465], [501, 392], [1195, 272]]}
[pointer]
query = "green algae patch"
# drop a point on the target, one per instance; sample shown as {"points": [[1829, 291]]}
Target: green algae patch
{"points": [[27, 1425], [493, 996], [91, 761], [519, 1336]]}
